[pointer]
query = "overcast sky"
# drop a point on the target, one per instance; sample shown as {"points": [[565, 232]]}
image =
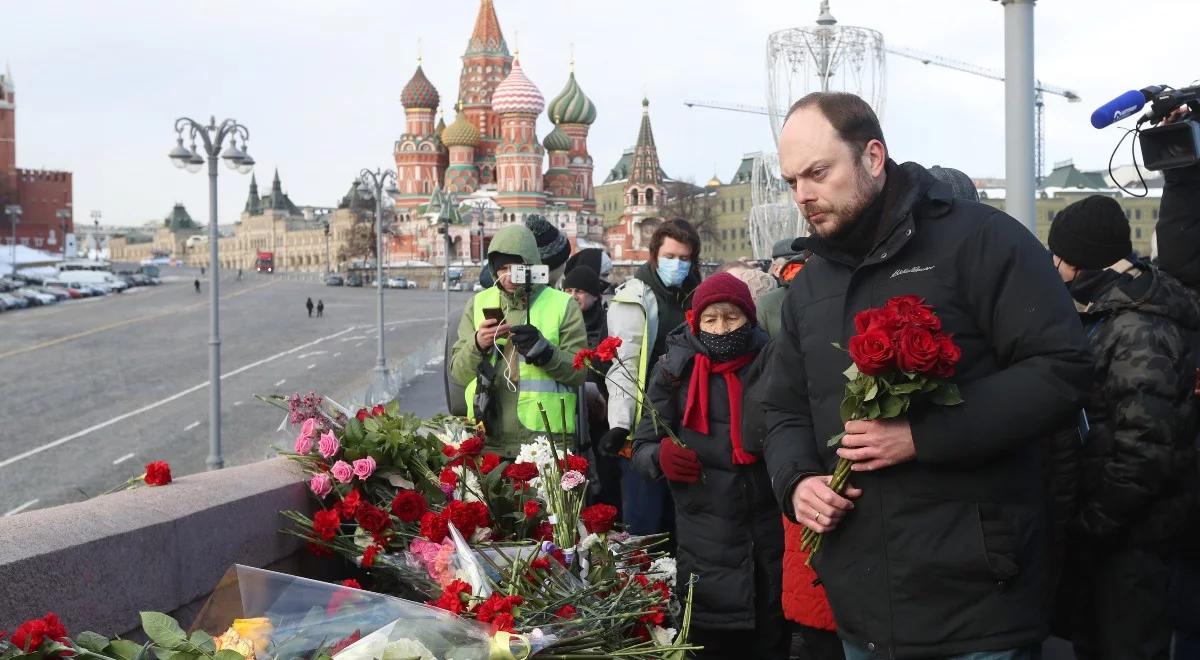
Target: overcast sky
{"points": [[318, 82]]}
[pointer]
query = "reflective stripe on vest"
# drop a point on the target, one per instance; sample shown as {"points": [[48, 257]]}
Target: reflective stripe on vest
{"points": [[534, 385]]}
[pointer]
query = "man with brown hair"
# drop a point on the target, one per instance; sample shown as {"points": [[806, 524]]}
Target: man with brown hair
{"points": [[938, 549], [642, 312]]}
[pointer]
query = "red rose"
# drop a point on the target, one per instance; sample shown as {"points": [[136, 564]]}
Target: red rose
{"points": [[489, 462], [520, 472], [434, 526], [158, 473], [408, 505], [573, 462], [872, 351], [448, 477], [532, 508], [29, 636], [902, 304], [377, 410], [916, 351], [326, 524], [348, 507], [583, 358], [373, 519], [877, 318], [598, 518], [472, 446], [565, 612], [361, 415], [607, 350], [948, 356], [368, 558]]}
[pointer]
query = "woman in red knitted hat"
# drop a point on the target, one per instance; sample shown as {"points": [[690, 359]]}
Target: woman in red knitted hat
{"points": [[728, 530]]}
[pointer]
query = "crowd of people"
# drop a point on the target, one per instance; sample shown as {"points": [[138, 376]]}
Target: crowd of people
{"points": [[1061, 496]]}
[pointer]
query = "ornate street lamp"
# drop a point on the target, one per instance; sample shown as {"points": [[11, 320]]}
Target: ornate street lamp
{"points": [[378, 183]]}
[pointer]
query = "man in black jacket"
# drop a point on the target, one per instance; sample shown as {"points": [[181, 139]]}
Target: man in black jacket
{"points": [[939, 547]]}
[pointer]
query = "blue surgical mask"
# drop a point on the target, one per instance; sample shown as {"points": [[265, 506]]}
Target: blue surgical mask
{"points": [[673, 272]]}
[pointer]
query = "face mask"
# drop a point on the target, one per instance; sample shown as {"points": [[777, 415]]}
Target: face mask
{"points": [[673, 272], [727, 346]]}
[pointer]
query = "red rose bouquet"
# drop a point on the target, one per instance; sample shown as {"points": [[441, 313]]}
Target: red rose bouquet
{"points": [[900, 355]]}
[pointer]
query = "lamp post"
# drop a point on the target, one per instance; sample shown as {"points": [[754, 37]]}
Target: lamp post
{"points": [[212, 136], [96, 233], [327, 269], [13, 211], [378, 183], [64, 218]]}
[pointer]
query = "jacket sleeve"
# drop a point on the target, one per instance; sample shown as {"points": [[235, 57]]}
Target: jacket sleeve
{"points": [[1178, 227], [572, 338], [627, 321], [1143, 395], [1021, 307], [465, 355], [789, 449], [662, 394]]}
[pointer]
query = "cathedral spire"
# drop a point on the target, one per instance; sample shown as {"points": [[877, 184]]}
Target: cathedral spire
{"points": [[487, 39], [646, 169], [253, 201]]}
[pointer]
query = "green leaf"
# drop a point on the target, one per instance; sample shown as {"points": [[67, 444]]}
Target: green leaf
{"points": [[163, 630], [203, 642], [929, 385], [94, 642], [838, 346], [906, 387], [890, 406], [872, 390], [228, 654], [852, 371], [164, 654], [837, 439], [870, 410], [186, 655], [850, 407], [124, 649], [946, 394]]}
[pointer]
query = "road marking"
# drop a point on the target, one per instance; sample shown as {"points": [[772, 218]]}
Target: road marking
{"points": [[312, 365], [191, 426], [13, 512], [236, 404], [119, 324], [307, 355], [358, 344], [337, 354], [123, 459], [161, 402], [281, 382], [354, 337]]}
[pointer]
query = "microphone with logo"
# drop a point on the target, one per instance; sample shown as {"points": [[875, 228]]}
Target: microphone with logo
{"points": [[1125, 105], [1171, 144]]}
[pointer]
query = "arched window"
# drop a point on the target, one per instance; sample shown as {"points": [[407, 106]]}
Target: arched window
{"points": [[649, 196]]}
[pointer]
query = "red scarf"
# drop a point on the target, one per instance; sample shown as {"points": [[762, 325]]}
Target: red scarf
{"points": [[695, 416]]}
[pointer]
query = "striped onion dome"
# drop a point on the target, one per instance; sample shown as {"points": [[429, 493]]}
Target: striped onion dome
{"points": [[419, 92], [572, 106], [517, 93], [557, 141], [460, 133]]}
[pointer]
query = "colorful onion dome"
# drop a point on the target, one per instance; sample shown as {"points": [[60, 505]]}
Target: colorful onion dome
{"points": [[572, 106], [557, 141], [419, 92], [517, 93], [460, 133]]}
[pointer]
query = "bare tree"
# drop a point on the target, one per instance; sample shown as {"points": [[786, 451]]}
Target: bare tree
{"points": [[695, 204], [360, 243]]}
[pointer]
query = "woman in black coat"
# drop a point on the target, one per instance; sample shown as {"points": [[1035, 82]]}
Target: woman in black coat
{"points": [[729, 532]]}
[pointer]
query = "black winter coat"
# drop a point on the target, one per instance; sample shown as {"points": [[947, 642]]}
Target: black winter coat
{"points": [[947, 553], [1139, 460], [728, 522], [1178, 227]]}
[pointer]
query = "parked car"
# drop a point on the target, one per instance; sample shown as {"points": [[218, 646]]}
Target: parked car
{"points": [[354, 280], [35, 297], [397, 282], [58, 294], [13, 302], [333, 279]]}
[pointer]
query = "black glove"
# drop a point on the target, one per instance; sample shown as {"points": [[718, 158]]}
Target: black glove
{"points": [[530, 343], [613, 441]]}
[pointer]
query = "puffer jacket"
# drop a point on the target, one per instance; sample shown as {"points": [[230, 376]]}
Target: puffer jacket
{"points": [[728, 526]]}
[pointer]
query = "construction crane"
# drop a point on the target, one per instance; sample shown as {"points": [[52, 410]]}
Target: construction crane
{"points": [[926, 58]]}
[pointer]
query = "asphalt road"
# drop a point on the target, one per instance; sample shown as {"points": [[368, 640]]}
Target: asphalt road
{"points": [[92, 390]]}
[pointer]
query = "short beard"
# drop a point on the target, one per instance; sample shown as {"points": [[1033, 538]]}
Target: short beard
{"points": [[846, 215]]}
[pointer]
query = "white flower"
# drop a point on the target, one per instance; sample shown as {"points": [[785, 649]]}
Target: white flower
{"points": [[407, 649], [470, 481], [661, 636], [663, 568], [573, 479], [537, 452], [588, 541]]}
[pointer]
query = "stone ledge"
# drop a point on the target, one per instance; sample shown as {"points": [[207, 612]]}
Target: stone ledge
{"points": [[98, 563]]}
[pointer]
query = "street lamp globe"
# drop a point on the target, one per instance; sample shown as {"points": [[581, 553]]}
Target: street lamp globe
{"points": [[245, 164], [194, 161], [179, 155], [232, 155]]}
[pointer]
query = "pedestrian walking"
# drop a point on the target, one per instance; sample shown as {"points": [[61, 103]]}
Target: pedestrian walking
{"points": [[941, 546], [202, 271], [196, 282], [320, 308], [308, 304]]}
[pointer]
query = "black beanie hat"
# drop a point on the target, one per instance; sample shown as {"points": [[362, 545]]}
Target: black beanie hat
{"points": [[552, 245], [584, 278], [1091, 234], [498, 260]]}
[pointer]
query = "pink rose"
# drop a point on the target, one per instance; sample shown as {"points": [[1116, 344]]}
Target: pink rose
{"points": [[364, 467], [320, 485], [342, 472], [328, 445], [309, 428], [304, 444]]}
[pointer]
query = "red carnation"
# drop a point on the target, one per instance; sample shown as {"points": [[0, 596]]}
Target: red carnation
{"points": [[326, 524], [318, 550], [483, 517], [472, 446], [464, 517], [377, 410], [607, 350], [361, 415], [572, 462], [544, 532], [373, 519], [29, 636], [540, 564], [448, 477], [348, 507], [368, 558], [583, 358], [532, 508], [872, 351], [352, 583], [489, 462], [409, 505], [434, 526], [158, 473], [520, 472], [948, 356], [453, 596], [598, 518], [565, 612], [916, 350], [503, 622]]}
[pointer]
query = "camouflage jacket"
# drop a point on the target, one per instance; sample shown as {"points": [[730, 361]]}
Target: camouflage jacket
{"points": [[1138, 474]]}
